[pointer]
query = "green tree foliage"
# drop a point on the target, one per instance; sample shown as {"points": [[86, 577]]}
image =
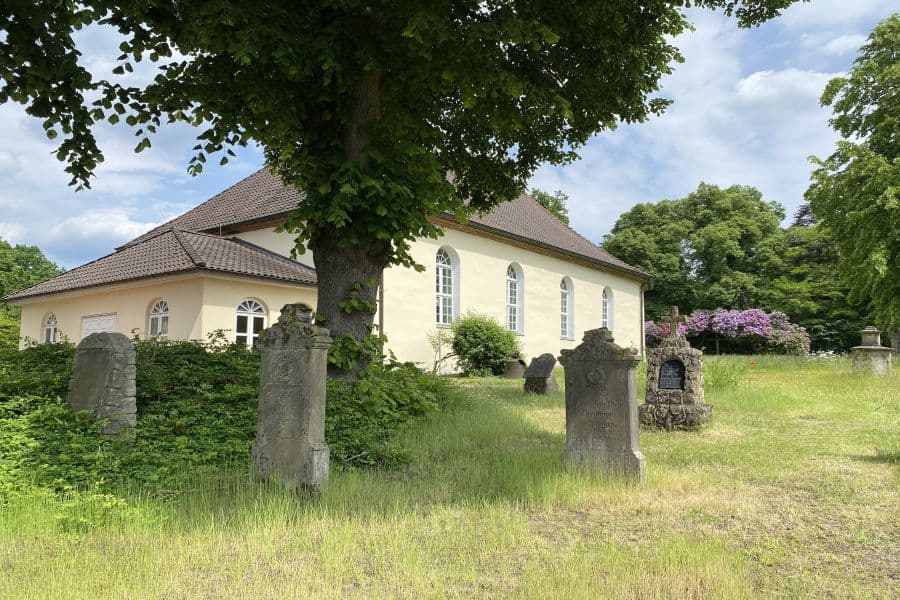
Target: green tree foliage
{"points": [[365, 107], [482, 345], [856, 191], [20, 267], [811, 290], [716, 248], [555, 202]]}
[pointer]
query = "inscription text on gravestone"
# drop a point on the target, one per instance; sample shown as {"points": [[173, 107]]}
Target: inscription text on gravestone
{"points": [[671, 375]]}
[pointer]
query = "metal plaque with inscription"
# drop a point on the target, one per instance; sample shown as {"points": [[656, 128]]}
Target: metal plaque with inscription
{"points": [[671, 375]]}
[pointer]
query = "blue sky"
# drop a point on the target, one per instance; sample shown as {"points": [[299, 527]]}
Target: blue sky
{"points": [[746, 112]]}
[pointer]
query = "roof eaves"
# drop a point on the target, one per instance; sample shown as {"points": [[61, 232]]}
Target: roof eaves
{"points": [[275, 255]]}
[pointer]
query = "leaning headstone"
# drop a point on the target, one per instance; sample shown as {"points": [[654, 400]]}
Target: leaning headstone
{"points": [[601, 405], [870, 356], [539, 375], [102, 383], [674, 393], [290, 435]]}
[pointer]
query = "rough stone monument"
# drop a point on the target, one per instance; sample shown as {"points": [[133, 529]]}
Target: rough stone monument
{"points": [[539, 375], [290, 435], [674, 395], [515, 368], [601, 405], [102, 383], [870, 356]]}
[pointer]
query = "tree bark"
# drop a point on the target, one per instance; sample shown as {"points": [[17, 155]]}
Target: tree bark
{"points": [[339, 266]]}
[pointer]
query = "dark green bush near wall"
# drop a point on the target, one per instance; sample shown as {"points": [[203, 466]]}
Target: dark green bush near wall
{"points": [[196, 414], [482, 345]]}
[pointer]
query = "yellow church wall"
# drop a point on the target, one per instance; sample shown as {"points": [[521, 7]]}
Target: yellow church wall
{"points": [[409, 296], [130, 302], [221, 297]]}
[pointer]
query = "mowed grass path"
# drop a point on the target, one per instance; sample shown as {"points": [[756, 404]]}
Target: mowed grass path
{"points": [[793, 491]]}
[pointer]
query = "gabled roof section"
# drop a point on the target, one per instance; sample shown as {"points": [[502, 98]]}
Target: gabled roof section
{"points": [[175, 251], [263, 197], [260, 196]]}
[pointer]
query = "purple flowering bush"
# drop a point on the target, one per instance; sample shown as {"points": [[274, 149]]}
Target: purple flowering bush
{"points": [[740, 331]]}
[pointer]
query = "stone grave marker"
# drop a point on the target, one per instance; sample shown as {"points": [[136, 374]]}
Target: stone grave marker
{"points": [[870, 356], [103, 381], [674, 394], [601, 405], [290, 435], [539, 375]]}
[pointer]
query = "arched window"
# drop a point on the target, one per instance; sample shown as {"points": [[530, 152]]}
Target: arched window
{"points": [[158, 320], [50, 330], [566, 309], [251, 320], [446, 286], [606, 319], [515, 296]]}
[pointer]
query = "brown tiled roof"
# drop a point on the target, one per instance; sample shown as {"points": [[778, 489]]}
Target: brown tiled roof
{"points": [[262, 197], [173, 251]]}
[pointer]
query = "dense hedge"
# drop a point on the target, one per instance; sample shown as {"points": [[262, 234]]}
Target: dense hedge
{"points": [[196, 414], [482, 345]]}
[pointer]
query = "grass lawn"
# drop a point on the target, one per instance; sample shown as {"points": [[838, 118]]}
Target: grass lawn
{"points": [[792, 491]]}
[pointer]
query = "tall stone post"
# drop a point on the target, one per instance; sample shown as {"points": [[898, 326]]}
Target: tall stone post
{"points": [[103, 381], [895, 341], [601, 405], [870, 355], [290, 435]]}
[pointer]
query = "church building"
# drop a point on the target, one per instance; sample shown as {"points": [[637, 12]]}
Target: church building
{"points": [[222, 266]]}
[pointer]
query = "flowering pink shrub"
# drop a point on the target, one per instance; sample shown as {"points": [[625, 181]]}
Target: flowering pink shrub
{"points": [[752, 330]]}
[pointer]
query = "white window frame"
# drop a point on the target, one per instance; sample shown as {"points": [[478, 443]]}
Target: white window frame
{"points": [[253, 310], [50, 331], [566, 309], [607, 309], [446, 286], [515, 299], [158, 319]]}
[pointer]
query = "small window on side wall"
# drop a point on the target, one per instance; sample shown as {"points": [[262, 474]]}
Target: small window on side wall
{"points": [[566, 309], [158, 321], [51, 330], [606, 319], [251, 320]]}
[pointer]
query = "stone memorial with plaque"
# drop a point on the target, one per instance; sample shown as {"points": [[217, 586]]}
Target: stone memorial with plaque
{"points": [[290, 436], [601, 405], [674, 395], [539, 375], [103, 381]]}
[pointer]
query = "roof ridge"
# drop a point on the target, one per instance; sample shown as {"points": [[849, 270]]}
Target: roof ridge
{"points": [[188, 248], [87, 264], [163, 227], [266, 251]]}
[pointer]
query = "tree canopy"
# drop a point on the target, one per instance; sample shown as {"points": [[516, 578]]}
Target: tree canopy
{"points": [[855, 192], [715, 248], [383, 114], [555, 202], [22, 266]]}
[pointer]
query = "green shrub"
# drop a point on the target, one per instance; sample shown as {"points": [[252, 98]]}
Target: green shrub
{"points": [[482, 345], [197, 413]]}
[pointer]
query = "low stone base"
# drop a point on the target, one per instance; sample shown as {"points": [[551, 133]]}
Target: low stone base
{"points": [[541, 385], [872, 359], [671, 417]]}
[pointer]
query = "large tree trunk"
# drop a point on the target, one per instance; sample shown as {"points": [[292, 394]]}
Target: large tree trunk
{"points": [[340, 266]]}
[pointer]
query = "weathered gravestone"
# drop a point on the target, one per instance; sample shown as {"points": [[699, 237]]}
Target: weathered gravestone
{"points": [[290, 435], [539, 375], [102, 383], [515, 368], [895, 341], [870, 356], [601, 405], [674, 394]]}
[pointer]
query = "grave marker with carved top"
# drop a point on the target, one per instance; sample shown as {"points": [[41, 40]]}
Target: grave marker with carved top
{"points": [[601, 405]]}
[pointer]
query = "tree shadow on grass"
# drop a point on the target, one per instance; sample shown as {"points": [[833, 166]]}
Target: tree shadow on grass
{"points": [[881, 456]]}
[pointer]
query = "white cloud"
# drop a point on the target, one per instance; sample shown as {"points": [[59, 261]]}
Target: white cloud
{"points": [[845, 43], [11, 232], [111, 224]]}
